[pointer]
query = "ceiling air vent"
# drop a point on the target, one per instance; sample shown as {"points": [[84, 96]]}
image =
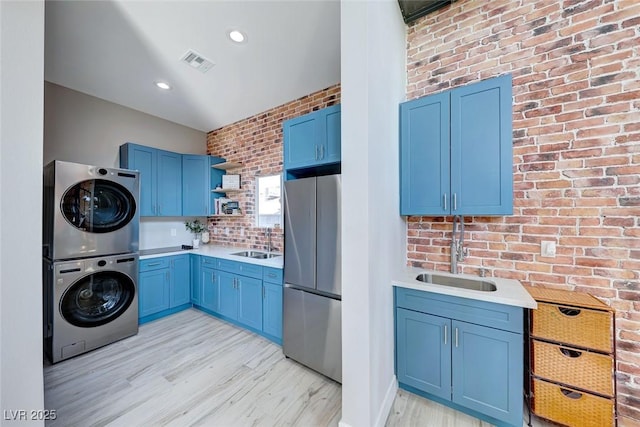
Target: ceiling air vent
{"points": [[197, 61]]}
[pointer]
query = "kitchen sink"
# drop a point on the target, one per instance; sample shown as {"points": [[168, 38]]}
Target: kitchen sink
{"points": [[255, 254], [457, 282]]}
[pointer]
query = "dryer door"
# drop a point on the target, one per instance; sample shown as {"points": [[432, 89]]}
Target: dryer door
{"points": [[98, 206], [97, 299]]}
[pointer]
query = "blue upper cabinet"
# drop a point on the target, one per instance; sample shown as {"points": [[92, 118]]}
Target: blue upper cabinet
{"points": [[456, 153], [160, 178], [313, 139], [424, 149], [195, 185], [169, 183], [142, 159], [301, 140], [482, 149], [330, 135]]}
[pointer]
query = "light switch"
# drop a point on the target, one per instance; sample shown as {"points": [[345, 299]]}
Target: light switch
{"points": [[173, 232], [548, 248]]}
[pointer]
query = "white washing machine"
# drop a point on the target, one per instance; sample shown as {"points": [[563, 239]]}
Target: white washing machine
{"points": [[89, 211], [89, 303]]}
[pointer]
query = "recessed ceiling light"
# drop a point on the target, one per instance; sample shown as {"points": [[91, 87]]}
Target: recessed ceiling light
{"points": [[237, 36], [163, 85]]}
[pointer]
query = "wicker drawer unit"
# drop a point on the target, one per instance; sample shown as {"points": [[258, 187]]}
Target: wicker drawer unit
{"points": [[572, 359]]}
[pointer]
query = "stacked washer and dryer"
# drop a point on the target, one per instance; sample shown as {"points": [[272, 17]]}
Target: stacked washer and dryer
{"points": [[90, 257]]}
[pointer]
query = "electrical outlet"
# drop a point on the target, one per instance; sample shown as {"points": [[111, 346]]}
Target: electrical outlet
{"points": [[548, 248], [173, 232]]}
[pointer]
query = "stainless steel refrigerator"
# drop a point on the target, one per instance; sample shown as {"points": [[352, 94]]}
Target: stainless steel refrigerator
{"points": [[312, 274]]}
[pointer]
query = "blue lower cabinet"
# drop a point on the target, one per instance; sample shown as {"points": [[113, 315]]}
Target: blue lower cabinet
{"points": [[468, 365], [153, 292], [488, 371], [249, 301], [164, 287], [209, 289], [196, 281], [424, 352], [272, 310], [180, 289], [240, 299], [228, 295]]}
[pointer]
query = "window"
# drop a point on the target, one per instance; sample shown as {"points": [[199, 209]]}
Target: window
{"points": [[268, 200]]}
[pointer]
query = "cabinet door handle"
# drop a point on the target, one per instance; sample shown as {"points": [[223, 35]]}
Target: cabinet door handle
{"points": [[316, 151], [263, 293], [271, 275], [321, 152], [159, 210], [444, 201], [455, 202], [445, 334], [456, 337], [154, 264], [168, 278]]}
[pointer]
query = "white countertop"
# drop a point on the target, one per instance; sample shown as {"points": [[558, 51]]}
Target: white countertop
{"points": [[224, 252], [508, 292]]}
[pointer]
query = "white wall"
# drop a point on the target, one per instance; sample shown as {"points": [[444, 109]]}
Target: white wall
{"points": [[156, 232], [373, 84], [85, 129], [21, 103]]}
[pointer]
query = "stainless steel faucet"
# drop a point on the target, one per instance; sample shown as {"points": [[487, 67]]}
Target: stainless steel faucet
{"points": [[458, 251], [268, 233]]}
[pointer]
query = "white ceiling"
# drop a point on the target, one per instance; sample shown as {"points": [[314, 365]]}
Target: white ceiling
{"points": [[115, 50]]}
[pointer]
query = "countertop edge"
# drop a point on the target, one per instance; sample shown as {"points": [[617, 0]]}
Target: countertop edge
{"points": [[510, 292], [223, 252]]}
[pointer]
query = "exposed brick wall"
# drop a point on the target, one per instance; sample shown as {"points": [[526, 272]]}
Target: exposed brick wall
{"points": [[576, 137], [256, 142]]}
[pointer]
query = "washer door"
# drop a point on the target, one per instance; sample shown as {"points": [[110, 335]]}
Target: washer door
{"points": [[98, 206], [97, 299]]}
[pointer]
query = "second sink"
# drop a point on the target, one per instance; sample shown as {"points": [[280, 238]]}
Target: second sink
{"points": [[457, 282], [255, 254]]}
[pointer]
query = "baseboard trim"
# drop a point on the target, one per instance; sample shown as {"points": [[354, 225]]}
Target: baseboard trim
{"points": [[385, 407], [387, 403]]}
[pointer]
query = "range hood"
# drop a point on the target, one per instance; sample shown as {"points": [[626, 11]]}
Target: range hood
{"points": [[414, 9]]}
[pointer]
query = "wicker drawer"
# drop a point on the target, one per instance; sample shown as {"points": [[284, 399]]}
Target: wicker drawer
{"points": [[570, 407], [582, 369], [582, 327]]}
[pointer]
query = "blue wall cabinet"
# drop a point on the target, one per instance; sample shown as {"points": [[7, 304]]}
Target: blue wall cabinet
{"points": [[160, 178], [169, 183], [462, 353], [196, 185], [313, 139], [196, 279], [456, 153], [142, 159], [250, 301], [210, 289], [424, 150], [424, 352], [180, 280]]}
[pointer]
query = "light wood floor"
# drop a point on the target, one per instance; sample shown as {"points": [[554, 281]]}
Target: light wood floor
{"points": [[191, 369]]}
